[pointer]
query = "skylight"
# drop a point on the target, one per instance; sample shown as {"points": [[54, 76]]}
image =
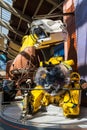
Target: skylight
{"points": [[4, 17]]}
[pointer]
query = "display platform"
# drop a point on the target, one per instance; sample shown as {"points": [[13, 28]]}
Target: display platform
{"points": [[51, 119]]}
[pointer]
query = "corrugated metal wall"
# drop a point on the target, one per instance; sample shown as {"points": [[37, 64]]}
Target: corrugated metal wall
{"points": [[81, 29]]}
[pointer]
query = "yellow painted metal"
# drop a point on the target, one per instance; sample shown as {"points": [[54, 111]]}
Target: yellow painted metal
{"points": [[28, 40], [53, 60], [71, 105], [68, 99], [37, 97]]}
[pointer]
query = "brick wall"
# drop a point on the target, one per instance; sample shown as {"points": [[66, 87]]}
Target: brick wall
{"points": [[71, 44]]}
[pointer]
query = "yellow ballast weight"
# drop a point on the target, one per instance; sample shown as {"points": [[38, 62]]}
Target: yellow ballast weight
{"points": [[53, 60], [28, 40], [37, 94], [71, 105], [68, 63]]}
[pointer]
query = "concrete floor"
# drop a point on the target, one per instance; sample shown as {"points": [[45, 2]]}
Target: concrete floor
{"points": [[53, 118]]}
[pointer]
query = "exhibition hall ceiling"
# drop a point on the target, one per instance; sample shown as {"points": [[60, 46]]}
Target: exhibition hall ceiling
{"points": [[17, 14]]}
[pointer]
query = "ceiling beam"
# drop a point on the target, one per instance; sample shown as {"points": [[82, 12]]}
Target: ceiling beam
{"points": [[57, 6], [38, 7], [26, 2], [50, 14], [54, 4], [12, 29], [54, 15], [5, 36], [9, 39], [15, 11]]}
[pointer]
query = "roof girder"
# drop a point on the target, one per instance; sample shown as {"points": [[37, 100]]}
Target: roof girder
{"points": [[15, 11]]}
